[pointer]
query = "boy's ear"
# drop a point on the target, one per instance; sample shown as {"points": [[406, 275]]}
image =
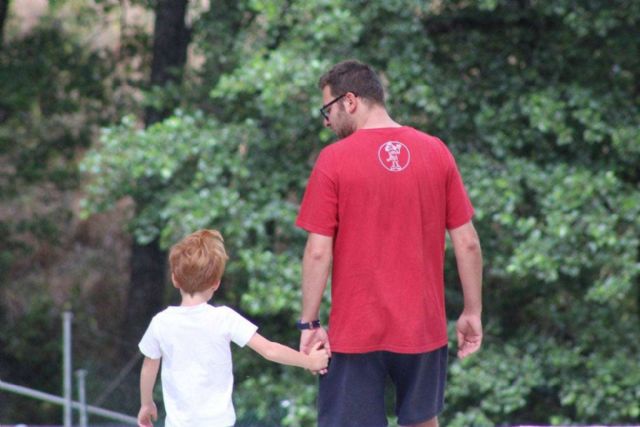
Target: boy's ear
{"points": [[216, 285], [174, 281]]}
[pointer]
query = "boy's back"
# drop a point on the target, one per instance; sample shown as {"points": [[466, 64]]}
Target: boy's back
{"points": [[197, 372], [192, 343]]}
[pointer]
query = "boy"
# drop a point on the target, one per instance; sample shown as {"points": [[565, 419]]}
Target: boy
{"points": [[192, 341]]}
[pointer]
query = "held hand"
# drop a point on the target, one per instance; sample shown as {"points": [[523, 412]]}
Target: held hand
{"points": [[147, 414], [309, 338], [319, 358], [469, 332]]}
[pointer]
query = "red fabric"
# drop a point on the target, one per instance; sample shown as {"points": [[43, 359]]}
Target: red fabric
{"points": [[387, 206]]}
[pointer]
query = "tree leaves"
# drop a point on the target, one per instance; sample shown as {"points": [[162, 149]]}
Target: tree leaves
{"points": [[539, 104]]}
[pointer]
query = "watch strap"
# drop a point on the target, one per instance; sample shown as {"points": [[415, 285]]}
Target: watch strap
{"points": [[307, 325]]}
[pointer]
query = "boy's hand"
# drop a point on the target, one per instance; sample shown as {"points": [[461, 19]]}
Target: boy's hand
{"points": [[147, 414], [319, 359]]}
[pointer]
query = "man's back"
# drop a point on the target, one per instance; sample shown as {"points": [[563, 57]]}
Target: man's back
{"points": [[386, 196]]}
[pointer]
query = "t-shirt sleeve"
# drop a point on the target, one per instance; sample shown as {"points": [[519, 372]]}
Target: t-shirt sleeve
{"points": [[319, 208], [240, 330], [459, 207], [149, 344]]}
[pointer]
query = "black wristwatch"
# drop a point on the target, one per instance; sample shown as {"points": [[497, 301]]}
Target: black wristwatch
{"points": [[307, 325]]}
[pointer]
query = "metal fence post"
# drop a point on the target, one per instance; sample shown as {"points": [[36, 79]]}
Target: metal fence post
{"points": [[66, 369], [81, 375]]}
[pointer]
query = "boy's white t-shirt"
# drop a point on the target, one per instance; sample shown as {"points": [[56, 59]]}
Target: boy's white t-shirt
{"points": [[197, 371]]}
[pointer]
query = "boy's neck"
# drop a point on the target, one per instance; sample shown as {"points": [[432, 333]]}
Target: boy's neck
{"points": [[190, 300]]}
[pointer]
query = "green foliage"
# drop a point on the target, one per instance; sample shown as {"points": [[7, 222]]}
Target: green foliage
{"points": [[30, 344], [539, 103], [501, 382], [49, 86], [52, 101], [50, 96], [279, 395]]}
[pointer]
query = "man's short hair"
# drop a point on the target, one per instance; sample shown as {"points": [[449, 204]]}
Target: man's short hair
{"points": [[356, 77], [198, 261]]}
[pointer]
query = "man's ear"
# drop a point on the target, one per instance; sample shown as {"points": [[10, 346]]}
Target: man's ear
{"points": [[352, 102]]}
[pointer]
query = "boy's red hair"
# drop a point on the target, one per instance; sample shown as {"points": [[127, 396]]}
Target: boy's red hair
{"points": [[197, 261]]}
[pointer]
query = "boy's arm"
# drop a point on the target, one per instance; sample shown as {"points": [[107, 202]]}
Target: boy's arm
{"points": [[316, 360], [148, 411]]}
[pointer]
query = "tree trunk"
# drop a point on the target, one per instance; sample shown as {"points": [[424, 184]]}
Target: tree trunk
{"points": [[149, 262], [146, 290], [170, 40]]}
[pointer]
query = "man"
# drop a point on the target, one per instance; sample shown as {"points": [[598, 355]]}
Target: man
{"points": [[377, 206]]}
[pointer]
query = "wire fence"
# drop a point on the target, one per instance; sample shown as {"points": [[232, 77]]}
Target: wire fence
{"points": [[68, 404]]}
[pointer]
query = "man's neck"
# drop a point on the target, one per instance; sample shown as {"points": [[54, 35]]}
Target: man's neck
{"points": [[377, 117]]}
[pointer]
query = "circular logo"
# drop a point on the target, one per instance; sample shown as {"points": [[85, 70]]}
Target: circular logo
{"points": [[394, 156]]}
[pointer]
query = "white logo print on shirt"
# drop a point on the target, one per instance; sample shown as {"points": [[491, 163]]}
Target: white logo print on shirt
{"points": [[394, 156]]}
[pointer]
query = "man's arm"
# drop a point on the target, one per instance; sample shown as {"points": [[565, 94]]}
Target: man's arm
{"points": [[148, 411], [316, 360], [466, 245], [316, 264]]}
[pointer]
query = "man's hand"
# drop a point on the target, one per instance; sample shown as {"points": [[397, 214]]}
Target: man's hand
{"points": [[309, 337], [469, 332], [147, 414]]}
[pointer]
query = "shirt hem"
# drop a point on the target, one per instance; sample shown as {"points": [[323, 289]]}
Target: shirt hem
{"points": [[314, 229], [392, 348], [457, 224], [150, 354]]}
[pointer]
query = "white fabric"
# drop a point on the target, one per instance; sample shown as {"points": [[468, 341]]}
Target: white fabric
{"points": [[197, 372]]}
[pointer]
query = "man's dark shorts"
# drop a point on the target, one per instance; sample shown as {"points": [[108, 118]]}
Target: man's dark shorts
{"points": [[352, 392]]}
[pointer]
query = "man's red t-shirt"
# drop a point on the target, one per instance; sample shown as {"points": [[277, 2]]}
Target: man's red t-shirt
{"points": [[386, 196]]}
